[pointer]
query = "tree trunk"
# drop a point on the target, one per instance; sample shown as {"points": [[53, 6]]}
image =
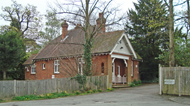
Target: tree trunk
{"points": [[188, 12], [4, 74], [171, 34]]}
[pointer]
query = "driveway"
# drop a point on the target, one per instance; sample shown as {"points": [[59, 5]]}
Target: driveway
{"points": [[145, 95]]}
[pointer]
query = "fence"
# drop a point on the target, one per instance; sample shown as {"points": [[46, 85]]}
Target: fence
{"points": [[174, 80], [36, 87]]}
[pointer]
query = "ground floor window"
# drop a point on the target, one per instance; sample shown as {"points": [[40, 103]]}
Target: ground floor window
{"points": [[33, 69], [56, 66], [80, 65], [102, 68]]}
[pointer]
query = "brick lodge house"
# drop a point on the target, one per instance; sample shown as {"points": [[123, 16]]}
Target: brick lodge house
{"points": [[112, 54]]}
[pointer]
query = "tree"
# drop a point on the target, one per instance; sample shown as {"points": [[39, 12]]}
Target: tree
{"points": [[83, 12], [181, 50], [52, 29], [12, 50], [25, 19], [147, 27]]}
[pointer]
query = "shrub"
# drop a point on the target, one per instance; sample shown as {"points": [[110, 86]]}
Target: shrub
{"points": [[110, 89], [94, 90], [77, 92], [132, 84], [99, 90]]}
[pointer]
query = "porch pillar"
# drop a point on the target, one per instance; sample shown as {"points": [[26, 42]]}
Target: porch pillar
{"points": [[129, 71], [110, 70]]}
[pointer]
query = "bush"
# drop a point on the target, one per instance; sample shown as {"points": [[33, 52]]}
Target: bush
{"points": [[110, 89], [135, 83], [99, 90], [77, 92]]}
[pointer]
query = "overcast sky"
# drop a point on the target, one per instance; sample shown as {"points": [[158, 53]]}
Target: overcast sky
{"points": [[42, 5]]}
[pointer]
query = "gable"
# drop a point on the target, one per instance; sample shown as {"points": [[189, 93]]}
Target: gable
{"points": [[123, 46]]}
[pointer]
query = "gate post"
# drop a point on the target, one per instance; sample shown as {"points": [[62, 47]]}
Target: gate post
{"points": [[160, 79]]}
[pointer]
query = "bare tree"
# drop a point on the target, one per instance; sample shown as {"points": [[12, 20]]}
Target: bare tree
{"points": [[83, 12]]}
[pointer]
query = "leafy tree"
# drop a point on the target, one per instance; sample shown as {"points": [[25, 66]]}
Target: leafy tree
{"points": [[147, 27], [25, 19], [12, 50], [182, 51], [52, 29]]}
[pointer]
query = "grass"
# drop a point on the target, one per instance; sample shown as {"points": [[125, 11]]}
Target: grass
{"points": [[54, 95]]}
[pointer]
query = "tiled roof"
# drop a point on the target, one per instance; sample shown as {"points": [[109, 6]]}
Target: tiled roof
{"points": [[73, 44], [29, 60]]}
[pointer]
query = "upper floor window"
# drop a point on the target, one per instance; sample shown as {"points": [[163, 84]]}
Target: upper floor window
{"points": [[102, 68], [43, 66], [33, 69], [56, 66]]}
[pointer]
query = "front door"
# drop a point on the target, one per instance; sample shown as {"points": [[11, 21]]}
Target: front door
{"points": [[119, 75]]}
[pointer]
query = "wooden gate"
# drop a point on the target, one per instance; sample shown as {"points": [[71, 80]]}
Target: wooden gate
{"points": [[174, 80]]}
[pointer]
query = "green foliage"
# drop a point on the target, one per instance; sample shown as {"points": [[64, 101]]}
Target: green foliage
{"points": [[147, 27], [110, 89], [87, 57], [53, 27], [81, 79], [53, 95], [99, 90], [12, 50], [135, 83], [181, 49]]}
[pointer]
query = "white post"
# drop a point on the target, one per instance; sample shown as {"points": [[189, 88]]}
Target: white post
{"points": [[160, 79], [14, 87]]}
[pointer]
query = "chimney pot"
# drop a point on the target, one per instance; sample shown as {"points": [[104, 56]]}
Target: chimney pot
{"points": [[64, 29], [101, 22]]}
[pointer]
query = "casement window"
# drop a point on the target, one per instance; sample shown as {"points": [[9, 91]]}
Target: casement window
{"points": [[131, 68], [102, 68], [80, 65], [27, 68], [33, 69], [56, 66], [43, 66]]}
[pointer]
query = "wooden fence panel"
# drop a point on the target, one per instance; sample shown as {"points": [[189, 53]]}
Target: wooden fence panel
{"points": [[175, 80], [38, 87]]}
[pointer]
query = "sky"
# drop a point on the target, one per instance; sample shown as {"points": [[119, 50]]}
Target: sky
{"points": [[42, 5]]}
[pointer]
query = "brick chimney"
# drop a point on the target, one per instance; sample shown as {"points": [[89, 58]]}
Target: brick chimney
{"points": [[101, 22], [64, 29]]}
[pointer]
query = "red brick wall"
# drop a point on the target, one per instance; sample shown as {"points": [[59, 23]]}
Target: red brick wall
{"points": [[96, 64], [28, 75], [67, 68], [135, 71]]}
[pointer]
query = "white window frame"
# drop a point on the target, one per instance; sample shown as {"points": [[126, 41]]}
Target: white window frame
{"points": [[27, 68], [56, 64], [80, 63], [43, 66], [131, 68], [33, 67], [118, 71]]}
